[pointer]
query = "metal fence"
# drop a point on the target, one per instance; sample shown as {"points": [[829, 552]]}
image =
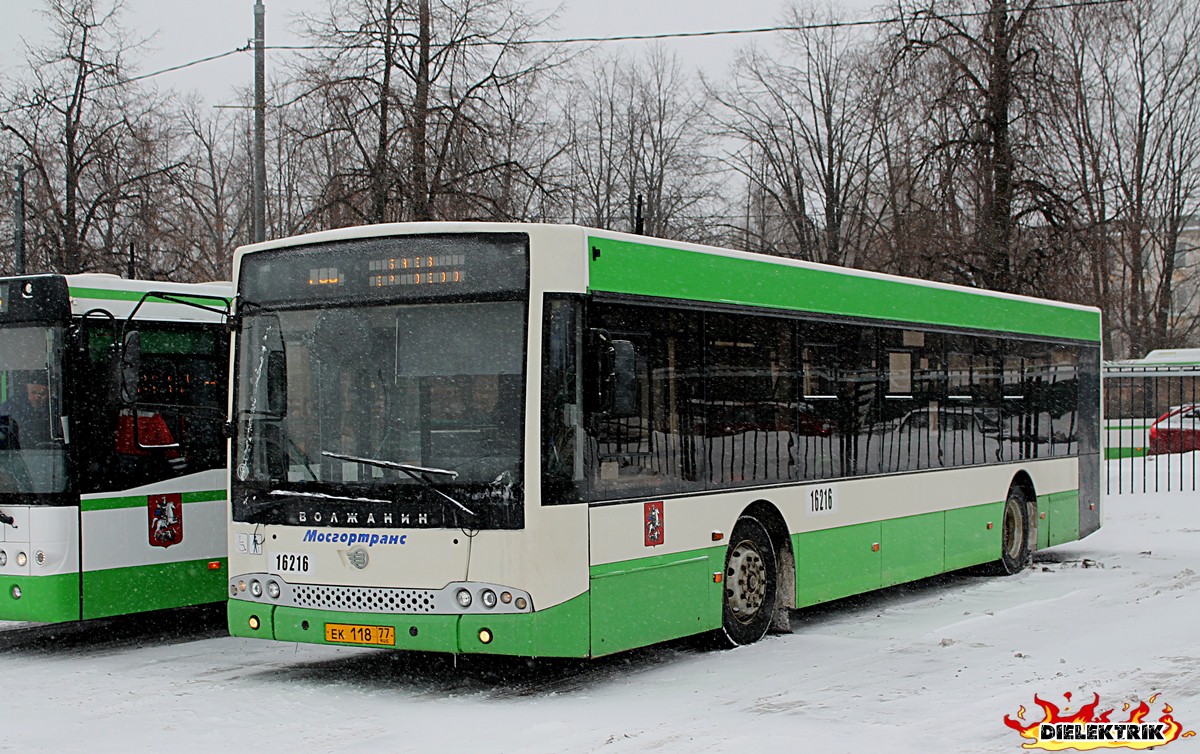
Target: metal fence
{"points": [[1151, 427]]}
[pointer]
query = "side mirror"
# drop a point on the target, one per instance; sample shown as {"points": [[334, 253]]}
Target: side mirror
{"points": [[277, 383], [130, 372]]}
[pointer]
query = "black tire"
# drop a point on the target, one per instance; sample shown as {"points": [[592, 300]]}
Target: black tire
{"points": [[1015, 550], [751, 583]]}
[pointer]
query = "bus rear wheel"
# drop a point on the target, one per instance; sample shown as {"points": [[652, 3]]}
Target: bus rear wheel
{"points": [[750, 581], [1015, 549]]}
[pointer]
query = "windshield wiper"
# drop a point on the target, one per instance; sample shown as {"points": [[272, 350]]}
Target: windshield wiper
{"points": [[7, 519], [416, 472], [392, 465]]}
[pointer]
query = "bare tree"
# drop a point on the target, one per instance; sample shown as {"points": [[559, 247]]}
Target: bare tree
{"points": [[414, 98], [800, 121], [638, 135], [990, 51], [84, 134]]}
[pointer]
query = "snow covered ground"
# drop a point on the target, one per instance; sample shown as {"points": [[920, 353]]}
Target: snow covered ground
{"points": [[932, 667]]}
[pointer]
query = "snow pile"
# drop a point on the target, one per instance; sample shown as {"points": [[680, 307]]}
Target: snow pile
{"points": [[932, 667]]}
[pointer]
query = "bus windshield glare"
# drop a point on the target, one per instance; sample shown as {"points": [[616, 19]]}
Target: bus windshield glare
{"points": [[32, 452], [411, 408]]}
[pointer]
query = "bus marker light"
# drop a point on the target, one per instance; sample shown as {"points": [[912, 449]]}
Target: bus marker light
{"points": [[874, 547], [989, 524], [505, 597], [254, 623], [718, 577], [1043, 516], [16, 592], [485, 636], [22, 559], [241, 586], [521, 603], [717, 536], [214, 565]]}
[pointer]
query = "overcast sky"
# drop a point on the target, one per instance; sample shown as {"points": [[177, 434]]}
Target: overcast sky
{"points": [[185, 30]]}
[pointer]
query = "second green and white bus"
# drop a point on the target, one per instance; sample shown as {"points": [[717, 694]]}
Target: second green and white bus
{"points": [[541, 440], [113, 396]]}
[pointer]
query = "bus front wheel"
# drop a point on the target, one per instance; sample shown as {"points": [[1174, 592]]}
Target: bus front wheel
{"points": [[750, 582]]}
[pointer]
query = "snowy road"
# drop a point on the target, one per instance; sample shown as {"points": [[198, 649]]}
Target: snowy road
{"points": [[933, 667]]}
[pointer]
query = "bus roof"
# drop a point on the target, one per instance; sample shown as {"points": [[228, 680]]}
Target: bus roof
{"points": [[623, 263], [118, 296]]}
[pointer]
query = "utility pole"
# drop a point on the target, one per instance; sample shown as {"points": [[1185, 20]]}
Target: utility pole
{"points": [[19, 220], [260, 126]]}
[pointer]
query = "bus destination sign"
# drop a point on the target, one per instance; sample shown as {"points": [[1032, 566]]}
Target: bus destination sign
{"points": [[389, 268]]}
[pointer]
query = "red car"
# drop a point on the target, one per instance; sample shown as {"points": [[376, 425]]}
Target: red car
{"points": [[1177, 431]]}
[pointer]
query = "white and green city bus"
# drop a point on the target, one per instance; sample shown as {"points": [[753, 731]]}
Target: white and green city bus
{"points": [[543, 440], [112, 473]]}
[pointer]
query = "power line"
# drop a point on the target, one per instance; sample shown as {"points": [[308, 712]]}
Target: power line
{"points": [[584, 40], [139, 77], [723, 32]]}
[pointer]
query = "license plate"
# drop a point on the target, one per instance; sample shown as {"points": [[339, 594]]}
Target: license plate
{"points": [[350, 633]]}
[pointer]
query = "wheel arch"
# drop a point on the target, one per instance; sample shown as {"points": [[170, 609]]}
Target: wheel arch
{"points": [[1023, 481], [769, 515]]}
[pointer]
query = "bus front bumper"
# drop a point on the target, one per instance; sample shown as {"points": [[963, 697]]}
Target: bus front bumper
{"points": [[560, 631]]}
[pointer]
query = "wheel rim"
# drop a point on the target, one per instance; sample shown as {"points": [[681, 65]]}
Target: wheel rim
{"points": [[746, 581], [1013, 531]]}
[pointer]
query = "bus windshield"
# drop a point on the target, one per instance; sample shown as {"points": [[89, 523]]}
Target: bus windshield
{"points": [[335, 403], [32, 451]]}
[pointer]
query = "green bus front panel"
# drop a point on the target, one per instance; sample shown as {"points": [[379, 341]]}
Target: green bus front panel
{"points": [[641, 602], [559, 631], [973, 535], [117, 591], [45, 599], [837, 563]]}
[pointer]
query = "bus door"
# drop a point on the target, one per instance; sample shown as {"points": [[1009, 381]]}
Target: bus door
{"points": [[151, 465]]}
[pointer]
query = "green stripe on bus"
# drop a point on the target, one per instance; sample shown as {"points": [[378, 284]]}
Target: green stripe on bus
{"points": [[108, 295], [139, 501], [116, 591], [1111, 454], [647, 270]]}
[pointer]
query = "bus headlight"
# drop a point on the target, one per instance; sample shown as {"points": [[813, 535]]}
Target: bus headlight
{"points": [[464, 598], [488, 598], [22, 559], [3, 558], [255, 588], [273, 590], [39, 557]]}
